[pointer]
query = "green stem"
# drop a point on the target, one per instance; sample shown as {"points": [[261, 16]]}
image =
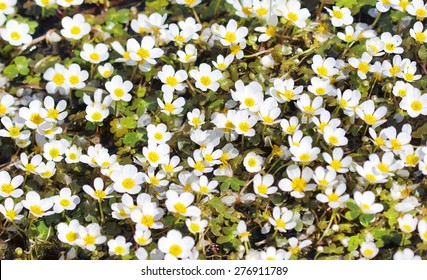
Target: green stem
{"points": [[376, 20], [101, 212], [334, 211]]}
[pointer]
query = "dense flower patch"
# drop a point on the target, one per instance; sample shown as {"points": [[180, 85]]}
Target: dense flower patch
{"points": [[226, 129]]}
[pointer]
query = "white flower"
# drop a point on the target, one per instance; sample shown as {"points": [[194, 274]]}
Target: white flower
{"points": [[334, 198], [366, 202], [69, 3], [196, 225], [324, 68], [268, 31], [37, 207], [417, 8], [206, 78], [90, 236], [406, 254], [298, 182], [144, 53], [244, 123], [34, 115], [172, 80], [69, 233], [282, 219], [269, 111], [231, 34], [127, 179], [362, 65], [175, 246], [203, 186], [189, 3], [369, 250], [10, 186], [10, 210], [222, 63], [414, 103], [407, 223], [196, 118], [7, 7], [13, 130], [350, 34], [95, 54], [118, 246], [6, 102], [253, 162], [263, 185], [106, 70], [16, 33], [98, 192], [65, 201], [181, 204], [188, 55], [242, 231], [250, 96], [422, 229], [340, 16], [119, 89], [169, 106], [75, 27], [366, 111], [335, 136], [392, 43], [384, 5]]}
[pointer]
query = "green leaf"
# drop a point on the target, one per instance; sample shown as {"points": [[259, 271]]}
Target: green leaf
{"points": [[353, 243], [132, 138], [224, 239], [365, 219], [11, 71], [422, 53], [353, 206], [157, 5], [351, 215], [128, 122]]}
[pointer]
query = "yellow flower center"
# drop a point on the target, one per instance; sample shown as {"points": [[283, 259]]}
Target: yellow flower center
{"points": [[205, 80], [230, 37], [363, 67], [262, 189], [252, 162], [100, 194], [3, 109], [54, 153], [368, 252], [416, 105], [119, 250], [7, 188], [333, 140], [37, 210], [235, 49], [89, 239], [371, 177], [94, 56], [143, 53], [180, 208], [244, 127], [194, 227], [96, 116], [261, 11], [394, 70], [169, 107], [247, 10], [383, 167], [147, 220], [189, 2], [196, 121], [370, 119], [65, 202], [30, 167], [290, 129], [153, 156], [15, 36], [158, 136], [172, 81], [179, 38], [336, 164], [58, 79], [199, 166], [280, 223], [154, 180], [298, 184], [270, 31], [128, 183], [390, 47], [175, 250], [75, 30], [249, 102], [304, 157], [395, 144], [36, 118], [421, 13], [333, 197], [11, 214], [349, 37], [119, 92], [268, 119], [338, 14], [71, 236], [14, 131], [322, 70], [292, 16], [403, 4], [412, 159], [53, 113], [309, 109], [320, 91], [409, 76]]}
